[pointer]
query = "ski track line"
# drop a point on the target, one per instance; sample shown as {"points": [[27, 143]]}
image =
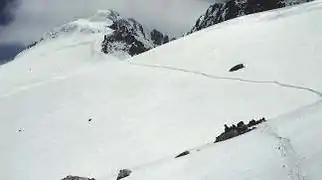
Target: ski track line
{"points": [[230, 78]]}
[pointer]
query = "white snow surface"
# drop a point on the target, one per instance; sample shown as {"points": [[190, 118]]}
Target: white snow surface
{"points": [[176, 97]]}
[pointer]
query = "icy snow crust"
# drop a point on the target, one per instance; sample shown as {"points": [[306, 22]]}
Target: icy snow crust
{"points": [[177, 97]]}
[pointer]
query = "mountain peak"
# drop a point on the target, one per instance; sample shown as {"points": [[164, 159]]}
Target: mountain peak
{"points": [[98, 23], [132, 37], [117, 33]]}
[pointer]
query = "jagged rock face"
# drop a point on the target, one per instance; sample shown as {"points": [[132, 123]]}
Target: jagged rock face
{"points": [[123, 174], [220, 12], [128, 36], [131, 37], [159, 38]]}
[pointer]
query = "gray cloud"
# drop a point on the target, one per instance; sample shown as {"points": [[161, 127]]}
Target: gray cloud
{"points": [[6, 11], [35, 17]]}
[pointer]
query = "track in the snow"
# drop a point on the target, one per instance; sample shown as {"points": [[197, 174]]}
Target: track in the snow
{"points": [[231, 78]]}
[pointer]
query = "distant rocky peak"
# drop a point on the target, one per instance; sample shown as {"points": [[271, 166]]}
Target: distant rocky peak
{"points": [[128, 26], [131, 37], [158, 38], [119, 34], [227, 10]]}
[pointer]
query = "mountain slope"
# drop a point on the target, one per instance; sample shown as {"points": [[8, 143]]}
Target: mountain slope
{"points": [[66, 108], [220, 12]]}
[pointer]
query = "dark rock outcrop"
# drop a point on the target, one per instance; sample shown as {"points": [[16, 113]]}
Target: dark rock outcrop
{"points": [[220, 12], [123, 174], [130, 36], [77, 178], [183, 154], [158, 38], [241, 128], [237, 67]]}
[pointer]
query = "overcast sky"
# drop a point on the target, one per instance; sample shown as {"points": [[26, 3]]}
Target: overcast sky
{"points": [[35, 17]]}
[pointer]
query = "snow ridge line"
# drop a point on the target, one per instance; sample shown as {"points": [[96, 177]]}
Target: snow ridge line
{"points": [[288, 154], [230, 78]]}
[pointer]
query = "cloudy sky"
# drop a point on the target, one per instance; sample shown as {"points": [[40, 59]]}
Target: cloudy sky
{"points": [[35, 17]]}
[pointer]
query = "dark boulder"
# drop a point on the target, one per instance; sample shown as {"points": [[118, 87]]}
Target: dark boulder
{"points": [[182, 154], [237, 67], [77, 178], [123, 174]]}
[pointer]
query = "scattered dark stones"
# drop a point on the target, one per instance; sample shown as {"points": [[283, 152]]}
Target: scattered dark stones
{"points": [[123, 174], [182, 154], [241, 128], [77, 178], [237, 67]]}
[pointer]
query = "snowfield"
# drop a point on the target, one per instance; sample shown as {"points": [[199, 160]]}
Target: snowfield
{"points": [[147, 109]]}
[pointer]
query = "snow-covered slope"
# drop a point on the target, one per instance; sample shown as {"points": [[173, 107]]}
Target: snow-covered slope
{"points": [[285, 148], [71, 110]]}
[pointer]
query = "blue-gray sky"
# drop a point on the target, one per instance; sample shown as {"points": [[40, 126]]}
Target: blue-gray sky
{"points": [[24, 21], [8, 51]]}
